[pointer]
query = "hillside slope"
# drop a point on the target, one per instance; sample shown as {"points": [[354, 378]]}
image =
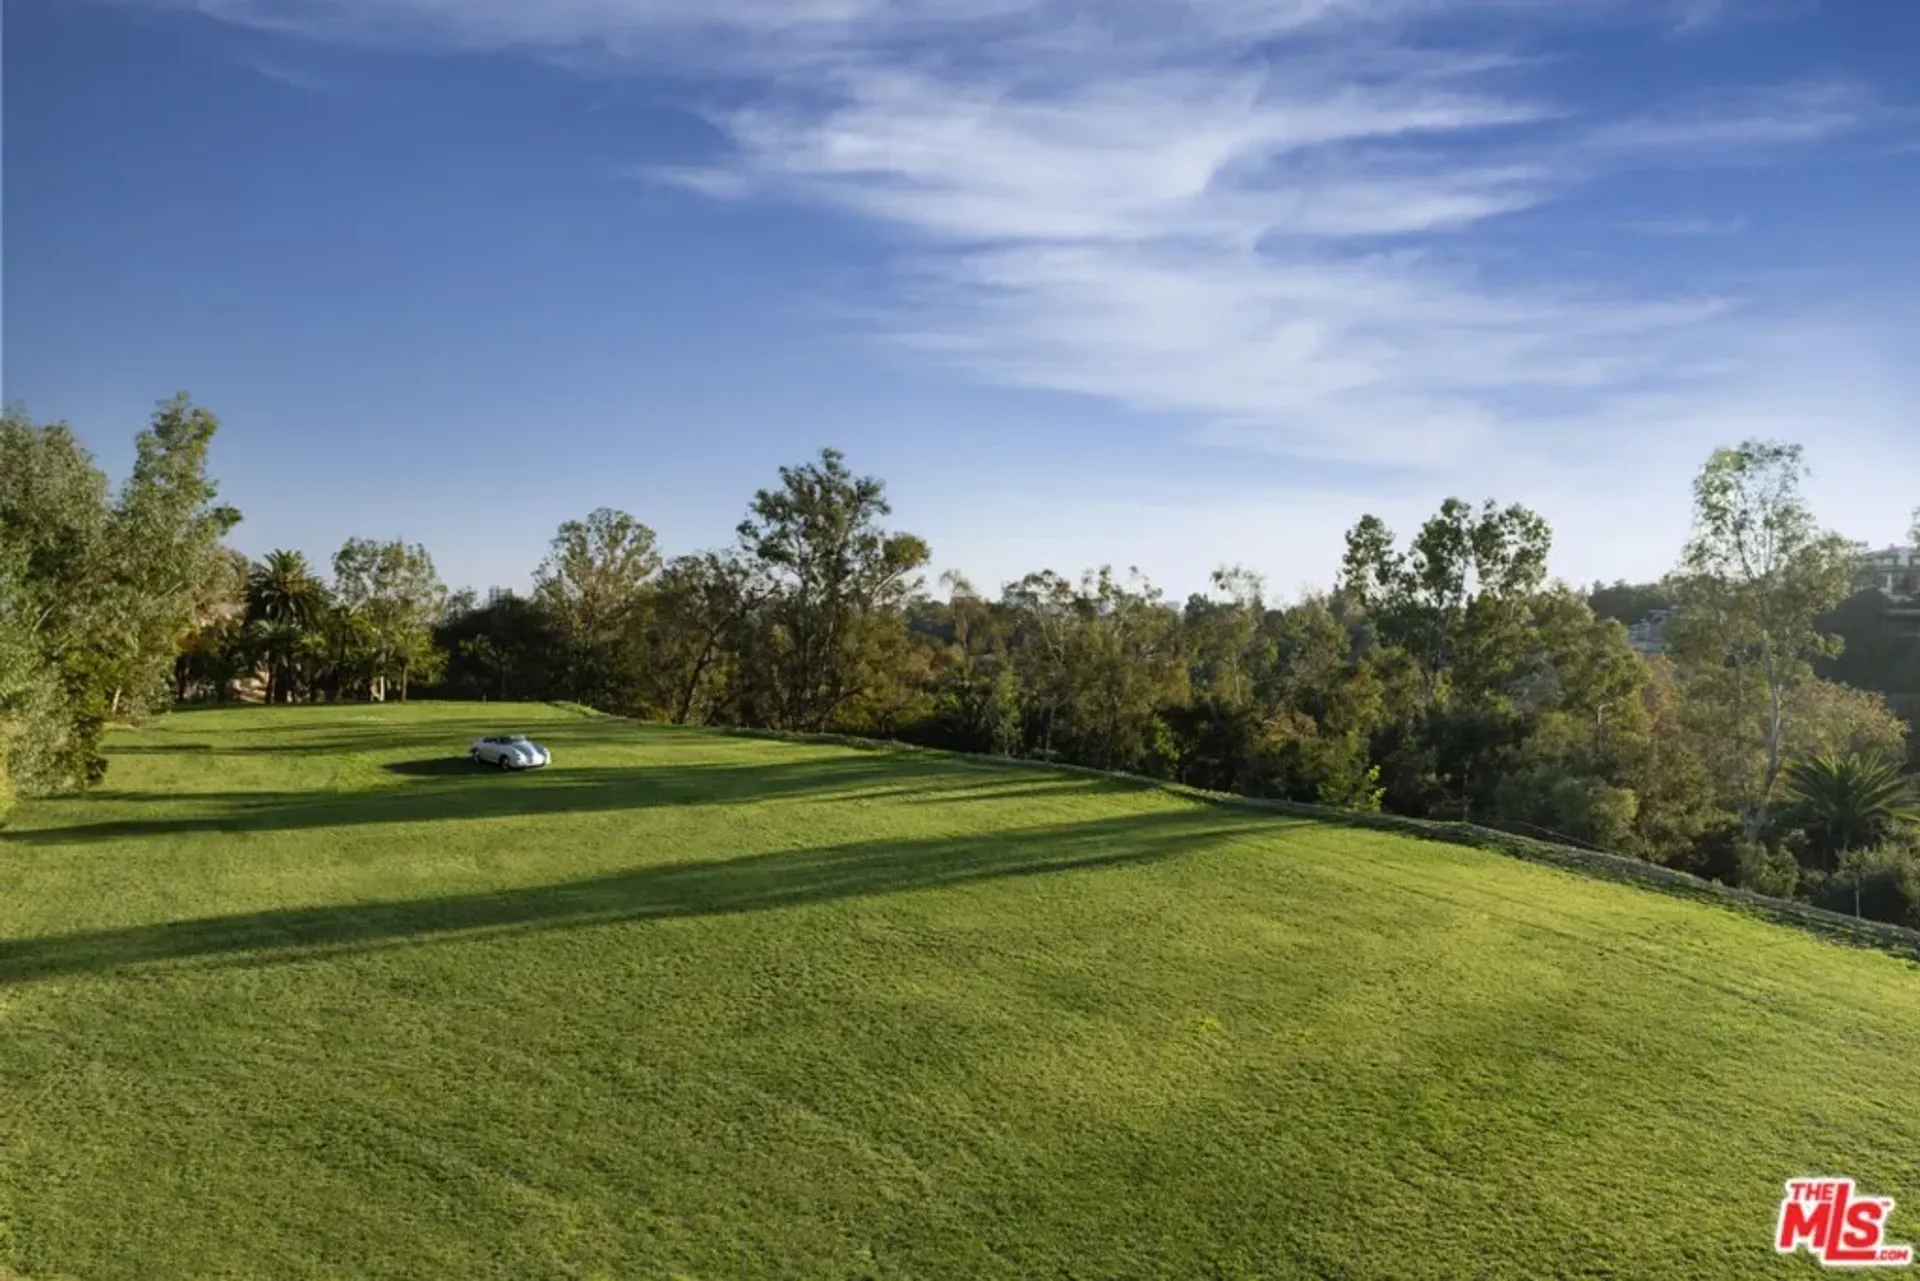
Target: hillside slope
{"points": [[302, 994]]}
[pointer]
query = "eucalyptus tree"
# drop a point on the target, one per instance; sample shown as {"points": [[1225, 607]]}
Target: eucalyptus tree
{"points": [[1755, 579]]}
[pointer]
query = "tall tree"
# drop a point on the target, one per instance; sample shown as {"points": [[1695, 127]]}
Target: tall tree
{"points": [[1755, 578], [697, 631], [593, 584], [97, 591], [508, 648], [163, 547], [836, 579], [1454, 600], [53, 533], [286, 601], [396, 598]]}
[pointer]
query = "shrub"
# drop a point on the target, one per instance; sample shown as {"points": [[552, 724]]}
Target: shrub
{"points": [[1766, 869], [1881, 884]]}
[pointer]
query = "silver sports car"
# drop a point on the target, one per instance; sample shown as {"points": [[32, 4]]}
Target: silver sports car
{"points": [[510, 751]]}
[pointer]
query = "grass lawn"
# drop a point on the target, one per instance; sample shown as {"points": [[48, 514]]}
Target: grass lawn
{"points": [[297, 994]]}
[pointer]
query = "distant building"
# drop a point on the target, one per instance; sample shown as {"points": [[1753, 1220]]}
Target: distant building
{"points": [[1649, 635], [1894, 572]]}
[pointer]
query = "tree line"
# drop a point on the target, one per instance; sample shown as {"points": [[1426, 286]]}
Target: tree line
{"points": [[1444, 675]]}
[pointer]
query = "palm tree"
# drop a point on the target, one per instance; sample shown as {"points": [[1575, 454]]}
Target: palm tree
{"points": [[284, 589], [1850, 802], [285, 600]]}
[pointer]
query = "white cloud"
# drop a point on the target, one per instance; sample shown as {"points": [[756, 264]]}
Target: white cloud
{"points": [[1731, 123], [295, 78], [1277, 220], [714, 183]]}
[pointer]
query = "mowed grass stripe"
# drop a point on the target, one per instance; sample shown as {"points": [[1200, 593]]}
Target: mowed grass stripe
{"points": [[299, 994]]}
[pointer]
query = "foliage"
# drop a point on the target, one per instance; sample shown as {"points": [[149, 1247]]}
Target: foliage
{"points": [[506, 649], [391, 599], [286, 601], [1880, 882], [1880, 652], [1848, 803], [97, 587], [830, 581], [1446, 678], [593, 586], [1629, 603], [1757, 576]]}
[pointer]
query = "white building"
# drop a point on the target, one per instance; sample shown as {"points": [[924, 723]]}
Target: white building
{"points": [[1893, 571], [1649, 635]]}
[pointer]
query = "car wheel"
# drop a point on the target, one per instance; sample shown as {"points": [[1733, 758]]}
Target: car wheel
{"points": [[505, 763]]}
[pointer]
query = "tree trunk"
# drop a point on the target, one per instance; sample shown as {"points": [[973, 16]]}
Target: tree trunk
{"points": [[1753, 820]]}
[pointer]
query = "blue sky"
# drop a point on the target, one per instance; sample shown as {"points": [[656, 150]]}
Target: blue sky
{"points": [[1160, 284]]}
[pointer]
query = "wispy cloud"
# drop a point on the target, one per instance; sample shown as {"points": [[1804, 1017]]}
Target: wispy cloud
{"points": [[295, 78], [1277, 219], [1731, 124]]}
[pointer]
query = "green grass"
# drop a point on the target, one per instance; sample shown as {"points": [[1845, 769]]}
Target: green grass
{"points": [[296, 996]]}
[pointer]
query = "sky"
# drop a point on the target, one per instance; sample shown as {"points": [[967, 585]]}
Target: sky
{"points": [[1169, 285]]}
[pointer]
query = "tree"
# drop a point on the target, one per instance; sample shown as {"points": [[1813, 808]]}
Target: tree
{"points": [[162, 548], [1455, 598], [96, 591], [285, 601], [835, 580], [1629, 602], [696, 633], [395, 598], [508, 648], [1849, 803], [210, 660], [53, 533], [1756, 576], [593, 584]]}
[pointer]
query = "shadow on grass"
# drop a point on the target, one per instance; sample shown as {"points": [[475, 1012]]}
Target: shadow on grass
{"points": [[436, 767], [752, 883], [147, 749], [454, 788]]}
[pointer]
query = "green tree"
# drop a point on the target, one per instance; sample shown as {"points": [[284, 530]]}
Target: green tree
{"points": [[286, 601], [161, 548], [210, 660], [1455, 600], [835, 580], [97, 591], [594, 586], [1756, 576], [697, 633], [1628, 603], [508, 648], [1849, 803], [53, 606], [395, 598]]}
